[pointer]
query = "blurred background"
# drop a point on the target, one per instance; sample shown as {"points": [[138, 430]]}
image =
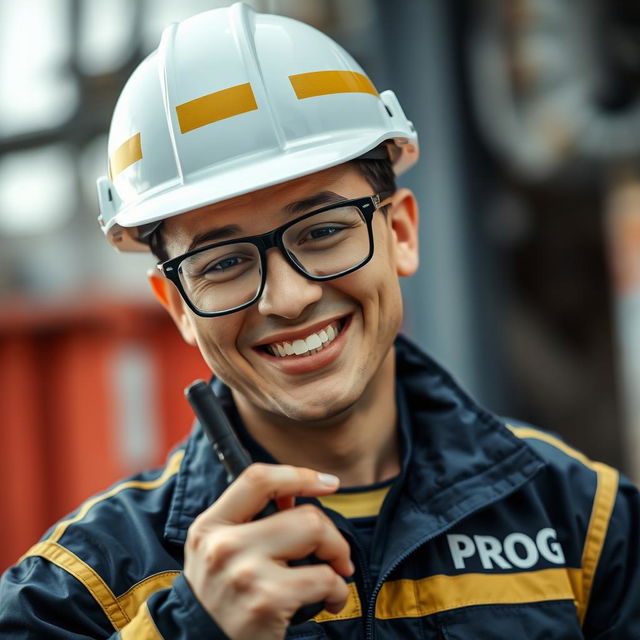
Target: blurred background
{"points": [[528, 113]]}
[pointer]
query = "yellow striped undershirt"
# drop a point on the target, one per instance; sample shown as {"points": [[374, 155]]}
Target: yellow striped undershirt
{"points": [[356, 504]]}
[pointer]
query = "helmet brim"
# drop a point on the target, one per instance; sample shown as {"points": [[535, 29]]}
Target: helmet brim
{"points": [[236, 179]]}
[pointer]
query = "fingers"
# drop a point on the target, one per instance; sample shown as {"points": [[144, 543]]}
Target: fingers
{"points": [[259, 483], [297, 533], [318, 583], [239, 568], [288, 535], [252, 600]]}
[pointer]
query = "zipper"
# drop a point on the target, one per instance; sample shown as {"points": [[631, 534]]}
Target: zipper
{"points": [[358, 557], [369, 628], [362, 569]]}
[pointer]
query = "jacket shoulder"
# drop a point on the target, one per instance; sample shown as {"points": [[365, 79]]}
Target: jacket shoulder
{"points": [[112, 545], [127, 508], [588, 492], [550, 446], [592, 484]]}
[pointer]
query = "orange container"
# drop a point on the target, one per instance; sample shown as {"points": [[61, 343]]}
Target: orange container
{"points": [[89, 393]]}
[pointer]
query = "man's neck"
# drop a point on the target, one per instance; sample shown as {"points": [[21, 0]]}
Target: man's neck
{"points": [[360, 447]]}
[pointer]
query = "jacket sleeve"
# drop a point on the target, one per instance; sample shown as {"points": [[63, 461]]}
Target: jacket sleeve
{"points": [[613, 609], [41, 601]]}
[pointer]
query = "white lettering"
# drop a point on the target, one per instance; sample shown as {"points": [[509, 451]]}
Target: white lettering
{"points": [[531, 551], [461, 547], [550, 551], [516, 550], [489, 550]]}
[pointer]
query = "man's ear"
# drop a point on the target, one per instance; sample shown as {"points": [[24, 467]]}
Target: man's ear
{"points": [[403, 220], [169, 297]]}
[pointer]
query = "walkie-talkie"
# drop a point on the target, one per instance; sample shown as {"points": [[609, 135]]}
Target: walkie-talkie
{"points": [[235, 459]]}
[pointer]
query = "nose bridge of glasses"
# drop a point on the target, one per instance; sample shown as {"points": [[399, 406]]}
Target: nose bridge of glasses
{"points": [[269, 240], [286, 289], [274, 240], [283, 260]]}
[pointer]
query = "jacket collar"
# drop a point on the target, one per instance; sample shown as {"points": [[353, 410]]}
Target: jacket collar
{"points": [[462, 457], [457, 457]]}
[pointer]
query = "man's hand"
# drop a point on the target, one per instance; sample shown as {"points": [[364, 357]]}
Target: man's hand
{"points": [[237, 567]]}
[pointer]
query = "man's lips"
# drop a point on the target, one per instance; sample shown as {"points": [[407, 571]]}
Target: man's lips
{"points": [[312, 360], [301, 341]]}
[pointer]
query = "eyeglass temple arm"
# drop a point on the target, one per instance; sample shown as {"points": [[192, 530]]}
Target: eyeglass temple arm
{"points": [[379, 198]]}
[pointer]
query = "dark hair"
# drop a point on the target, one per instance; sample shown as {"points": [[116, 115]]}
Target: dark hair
{"points": [[378, 173], [157, 245]]}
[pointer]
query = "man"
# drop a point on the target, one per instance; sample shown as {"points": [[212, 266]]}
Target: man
{"points": [[257, 161]]}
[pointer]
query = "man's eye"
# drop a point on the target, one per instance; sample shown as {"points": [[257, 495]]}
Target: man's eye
{"points": [[224, 264], [323, 232]]}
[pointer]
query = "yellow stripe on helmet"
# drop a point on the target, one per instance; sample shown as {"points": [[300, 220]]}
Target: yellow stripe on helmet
{"points": [[215, 106], [322, 83], [125, 155]]}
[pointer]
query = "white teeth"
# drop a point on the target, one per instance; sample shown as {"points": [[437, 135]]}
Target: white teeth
{"points": [[310, 345], [300, 347], [313, 341]]}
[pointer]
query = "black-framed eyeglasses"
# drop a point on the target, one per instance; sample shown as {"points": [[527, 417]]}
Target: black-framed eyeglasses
{"points": [[321, 245]]}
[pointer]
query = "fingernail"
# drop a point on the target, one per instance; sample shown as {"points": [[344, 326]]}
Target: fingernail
{"points": [[328, 479]]}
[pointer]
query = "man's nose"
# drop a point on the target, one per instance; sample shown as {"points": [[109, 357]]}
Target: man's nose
{"points": [[286, 293]]}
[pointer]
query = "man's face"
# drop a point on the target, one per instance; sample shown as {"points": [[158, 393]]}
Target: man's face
{"points": [[363, 308]]}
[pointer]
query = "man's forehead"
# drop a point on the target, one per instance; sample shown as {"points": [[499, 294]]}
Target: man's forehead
{"points": [[283, 198]]}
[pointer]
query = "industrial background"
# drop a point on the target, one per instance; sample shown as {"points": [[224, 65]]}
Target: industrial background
{"points": [[528, 113]]}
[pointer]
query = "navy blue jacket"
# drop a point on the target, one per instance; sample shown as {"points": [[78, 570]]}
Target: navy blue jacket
{"points": [[494, 531]]}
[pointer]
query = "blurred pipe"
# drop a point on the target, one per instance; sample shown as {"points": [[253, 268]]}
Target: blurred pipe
{"points": [[623, 231], [548, 91], [134, 385], [417, 44]]}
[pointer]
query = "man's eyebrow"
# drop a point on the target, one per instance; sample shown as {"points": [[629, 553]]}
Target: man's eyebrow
{"points": [[299, 206], [313, 202], [222, 233]]}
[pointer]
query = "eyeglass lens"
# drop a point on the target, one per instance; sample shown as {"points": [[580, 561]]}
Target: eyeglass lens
{"points": [[230, 275]]}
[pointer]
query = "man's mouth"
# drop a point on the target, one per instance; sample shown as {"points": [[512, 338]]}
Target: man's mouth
{"points": [[308, 345]]}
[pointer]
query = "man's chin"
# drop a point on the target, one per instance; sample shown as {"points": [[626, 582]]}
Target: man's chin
{"points": [[318, 411]]}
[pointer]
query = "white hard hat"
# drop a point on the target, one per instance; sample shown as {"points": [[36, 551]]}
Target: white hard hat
{"points": [[233, 101]]}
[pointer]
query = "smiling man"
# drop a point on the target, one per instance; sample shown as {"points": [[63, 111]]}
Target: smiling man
{"points": [[307, 354], [256, 160]]}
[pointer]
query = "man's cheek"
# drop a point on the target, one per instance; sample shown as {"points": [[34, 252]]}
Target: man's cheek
{"points": [[213, 352]]}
